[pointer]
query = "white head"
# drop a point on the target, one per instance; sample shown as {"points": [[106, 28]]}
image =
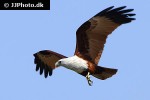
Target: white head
{"points": [[60, 62]]}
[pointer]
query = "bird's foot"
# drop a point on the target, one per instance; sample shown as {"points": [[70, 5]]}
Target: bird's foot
{"points": [[88, 79]]}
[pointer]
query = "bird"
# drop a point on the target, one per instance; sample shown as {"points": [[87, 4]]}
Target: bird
{"points": [[90, 40]]}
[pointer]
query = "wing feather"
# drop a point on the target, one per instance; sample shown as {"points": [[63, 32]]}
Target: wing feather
{"points": [[92, 35], [45, 61]]}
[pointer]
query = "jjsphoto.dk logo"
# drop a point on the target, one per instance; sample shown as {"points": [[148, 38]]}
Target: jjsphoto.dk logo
{"points": [[25, 5]]}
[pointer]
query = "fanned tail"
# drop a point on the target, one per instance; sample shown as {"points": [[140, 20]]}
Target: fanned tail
{"points": [[104, 73]]}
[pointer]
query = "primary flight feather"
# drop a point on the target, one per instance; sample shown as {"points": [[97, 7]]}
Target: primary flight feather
{"points": [[91, 37]]}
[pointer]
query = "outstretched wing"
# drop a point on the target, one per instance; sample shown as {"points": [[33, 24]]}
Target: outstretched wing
{"points": [[91, 36], [45, 61]]}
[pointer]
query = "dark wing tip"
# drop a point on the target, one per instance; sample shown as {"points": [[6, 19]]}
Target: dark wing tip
{"points": [[118, 15], [40, 66]]}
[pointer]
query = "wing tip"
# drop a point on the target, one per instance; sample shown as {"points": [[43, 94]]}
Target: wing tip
{"points": [[40, 66], [118, 15]]}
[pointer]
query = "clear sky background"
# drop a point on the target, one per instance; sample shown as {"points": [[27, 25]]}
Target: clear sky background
{"points": [[23, 33]]}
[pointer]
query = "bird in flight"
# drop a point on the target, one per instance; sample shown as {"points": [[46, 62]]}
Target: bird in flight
{"points": [[90, 39]]}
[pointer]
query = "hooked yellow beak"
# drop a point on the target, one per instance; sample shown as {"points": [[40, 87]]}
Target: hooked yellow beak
{"points": [[57, 64]]}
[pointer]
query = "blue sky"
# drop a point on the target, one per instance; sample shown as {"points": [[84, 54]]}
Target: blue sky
{"points": [[25, 32]]}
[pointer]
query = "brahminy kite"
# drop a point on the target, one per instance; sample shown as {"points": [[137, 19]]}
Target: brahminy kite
{"points": [[91, 37]]}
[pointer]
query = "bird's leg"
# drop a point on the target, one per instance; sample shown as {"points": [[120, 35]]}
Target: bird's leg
{"points": [[88, 79]]}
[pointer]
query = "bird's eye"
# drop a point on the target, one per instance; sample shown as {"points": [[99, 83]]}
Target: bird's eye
{"points": [[59, 62]]}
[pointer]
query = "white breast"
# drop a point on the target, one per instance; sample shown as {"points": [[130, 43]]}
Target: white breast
{"points": [[75, 63]]}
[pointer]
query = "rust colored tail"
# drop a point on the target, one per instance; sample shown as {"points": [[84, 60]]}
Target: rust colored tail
{"points": [[104, 73]]}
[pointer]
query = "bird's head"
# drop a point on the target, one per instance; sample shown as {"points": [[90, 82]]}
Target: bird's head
{"points": [[59, 63], [62, 62]]}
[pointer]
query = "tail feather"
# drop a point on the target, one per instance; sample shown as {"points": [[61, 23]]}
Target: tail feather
{"points": [[104, 73]]}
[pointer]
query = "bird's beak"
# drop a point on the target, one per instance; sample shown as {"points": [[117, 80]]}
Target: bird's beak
{"points": [[56, 64]]}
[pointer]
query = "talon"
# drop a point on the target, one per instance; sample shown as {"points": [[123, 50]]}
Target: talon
{"points": [[90, 82], [88, 79]]}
